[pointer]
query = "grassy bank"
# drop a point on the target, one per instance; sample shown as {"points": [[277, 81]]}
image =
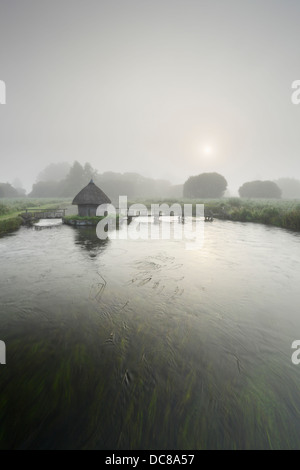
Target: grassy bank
{"points": [[280, 213], [77, 217], [76, 220], [10, 224], [11, 208]]}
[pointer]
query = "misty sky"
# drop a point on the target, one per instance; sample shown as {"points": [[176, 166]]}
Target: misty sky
{"points": [[165, 88]]}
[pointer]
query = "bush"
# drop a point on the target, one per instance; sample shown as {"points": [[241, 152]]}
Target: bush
{"points": [[8, 225], [260, 189], [206, 185], [4, 209]]}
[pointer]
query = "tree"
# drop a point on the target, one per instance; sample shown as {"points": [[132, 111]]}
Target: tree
{"points": [[54, 181], [75, 180], [46, 189], [54, 172], [132, 185], [89, 172], [260, 189], [290, 187], [206, 185], [6, 190]]}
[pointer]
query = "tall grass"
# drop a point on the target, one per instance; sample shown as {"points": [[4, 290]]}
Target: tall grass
{"points": [[284, 214], [280, 213]]}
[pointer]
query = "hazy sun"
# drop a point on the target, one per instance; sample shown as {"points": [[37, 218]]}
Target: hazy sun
{"points": [[207, 150]]}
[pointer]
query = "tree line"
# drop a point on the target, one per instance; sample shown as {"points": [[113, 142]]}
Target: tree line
{"points": [[65, 181], [214, 185], [60, 180]]}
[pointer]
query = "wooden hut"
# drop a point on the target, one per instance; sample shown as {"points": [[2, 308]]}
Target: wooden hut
{"points": [[88, 199]]}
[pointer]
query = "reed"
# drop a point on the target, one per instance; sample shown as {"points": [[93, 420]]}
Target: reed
{"points": [[278, 213]]}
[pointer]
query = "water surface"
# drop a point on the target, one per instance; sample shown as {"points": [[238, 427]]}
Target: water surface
{"points": [[124, 344]]}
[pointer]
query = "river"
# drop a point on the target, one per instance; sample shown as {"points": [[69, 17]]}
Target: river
{"points": [[143, 344]]}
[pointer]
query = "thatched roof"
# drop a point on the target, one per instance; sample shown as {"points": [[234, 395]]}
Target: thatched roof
{"points": [[91, 194]]}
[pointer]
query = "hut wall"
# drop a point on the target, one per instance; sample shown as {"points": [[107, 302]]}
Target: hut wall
{"points": [[87, 210]]}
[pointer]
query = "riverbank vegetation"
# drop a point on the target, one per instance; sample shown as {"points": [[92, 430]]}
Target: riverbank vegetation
{"points": [[78, 221], [9, 224], [11, 208], [77, 217], [284, 213], [278, 213]]}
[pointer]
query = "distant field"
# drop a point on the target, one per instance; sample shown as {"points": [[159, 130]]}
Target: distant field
{"points": [[15, 206]]}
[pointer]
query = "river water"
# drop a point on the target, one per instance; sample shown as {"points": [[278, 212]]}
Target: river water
{"points": [[143, 344]]}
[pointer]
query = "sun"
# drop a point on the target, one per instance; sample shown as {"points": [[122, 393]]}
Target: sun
{"points": [[208, 150]]}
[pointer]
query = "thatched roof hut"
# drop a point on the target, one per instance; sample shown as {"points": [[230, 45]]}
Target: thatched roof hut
{"points": [[88, 199]]}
